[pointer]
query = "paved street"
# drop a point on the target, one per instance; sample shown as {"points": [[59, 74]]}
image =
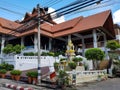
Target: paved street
{"points": [[110, 84], [25, 85]]}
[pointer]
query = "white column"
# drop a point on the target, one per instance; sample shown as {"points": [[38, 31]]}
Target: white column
{"points": [[105, 41], [69, 38], [2, 43], [35, 42], [50, 43], [94, 39], [22, 41], [83, 47]]}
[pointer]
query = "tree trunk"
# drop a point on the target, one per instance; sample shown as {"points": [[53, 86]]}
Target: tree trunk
{"points": [[95, 64]]}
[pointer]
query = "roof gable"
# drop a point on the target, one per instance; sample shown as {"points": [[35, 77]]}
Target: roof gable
{"points": [[66, 25], [93, 21], [87, 23], [8, 24]]}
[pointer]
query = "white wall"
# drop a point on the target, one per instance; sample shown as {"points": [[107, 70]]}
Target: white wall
{"points": [[30, 62]]}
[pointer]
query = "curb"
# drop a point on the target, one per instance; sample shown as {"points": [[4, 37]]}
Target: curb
{"points": [[15, 87]]}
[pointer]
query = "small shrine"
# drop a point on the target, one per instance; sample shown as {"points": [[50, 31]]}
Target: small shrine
{"points": [[70, 52]]}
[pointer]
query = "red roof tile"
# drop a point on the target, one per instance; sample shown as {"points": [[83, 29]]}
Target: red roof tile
{"points": [[76, 25], [8, 24], [86, 23], [66, 25]]}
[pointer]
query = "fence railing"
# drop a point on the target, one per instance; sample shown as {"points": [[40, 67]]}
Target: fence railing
{"points": [[86, 76]]}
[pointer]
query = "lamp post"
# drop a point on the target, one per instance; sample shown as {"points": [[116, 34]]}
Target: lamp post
{"points": [[39, 50]]}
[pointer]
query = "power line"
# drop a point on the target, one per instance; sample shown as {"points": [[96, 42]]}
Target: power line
{"points": [[76, 5], [18, 13], [76, 8], [73, 7], [65, 8], [56, 1], [15, 5], [101, 5], [70, 9]]}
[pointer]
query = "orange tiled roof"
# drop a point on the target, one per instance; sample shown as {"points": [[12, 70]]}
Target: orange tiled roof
{"points": [[8, 24], [77, 25], [84, 24]]}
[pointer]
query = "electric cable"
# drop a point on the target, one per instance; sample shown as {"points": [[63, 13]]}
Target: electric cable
{"points": [[18, 13]]}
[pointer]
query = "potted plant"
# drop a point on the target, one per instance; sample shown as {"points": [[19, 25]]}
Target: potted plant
{"points": [[34, 75], [99, 77], [16, 74], [63, 79], [29, 76], [3, 72], [63, 61], [78, 60], [56, 66], [72, 65]]}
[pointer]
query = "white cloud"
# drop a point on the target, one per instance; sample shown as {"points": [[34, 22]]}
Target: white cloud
{"points": [[57, 20], [116, 17]]}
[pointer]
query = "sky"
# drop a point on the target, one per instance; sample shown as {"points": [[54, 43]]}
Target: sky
{"points": [[22, 6]]}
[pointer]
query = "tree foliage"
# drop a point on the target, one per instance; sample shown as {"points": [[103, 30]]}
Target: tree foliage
{"points": [[17, 48], [13, 49], [113, 45], [94, 54], [8, 49]]}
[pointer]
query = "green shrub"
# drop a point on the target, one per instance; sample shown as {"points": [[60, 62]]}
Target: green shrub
{"points": [[29, 74], [34, 74], [56, 54], [94, 54], [6, 66], [51, 53], [114, 70], [72, 65], [17, 48], [29, 54], [15, 72], [62, 59], [13, 49], [56, 65], [44, 54], [3, 71], [8, 49], [63, 78], [77, 59], [112, 44]]}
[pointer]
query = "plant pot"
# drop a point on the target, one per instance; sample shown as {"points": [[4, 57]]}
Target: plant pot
{"points": [[2, 75], [12, 77], [63, 87], [80, 64], [34, 80], [17, 77], [29, 79]]}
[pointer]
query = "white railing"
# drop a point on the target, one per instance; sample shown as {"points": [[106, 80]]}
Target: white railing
{"points": [[30, 62], [9, 59], [86, 76]]}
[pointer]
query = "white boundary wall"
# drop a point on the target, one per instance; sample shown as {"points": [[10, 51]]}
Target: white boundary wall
{"points": [[87, 76], [30, 62]]}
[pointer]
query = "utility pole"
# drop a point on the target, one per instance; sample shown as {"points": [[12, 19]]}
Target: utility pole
{"points": [[39, 50]]}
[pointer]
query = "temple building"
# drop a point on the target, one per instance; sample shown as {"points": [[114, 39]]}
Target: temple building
{"points": [[84, 32]]}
